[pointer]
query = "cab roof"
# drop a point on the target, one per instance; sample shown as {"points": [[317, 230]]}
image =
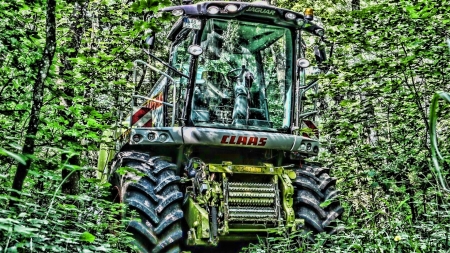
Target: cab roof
{"points": [[260, 12]]}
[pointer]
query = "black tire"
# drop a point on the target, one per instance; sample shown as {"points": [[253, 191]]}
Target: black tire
{"points": [[152, 192], [313, 187]]}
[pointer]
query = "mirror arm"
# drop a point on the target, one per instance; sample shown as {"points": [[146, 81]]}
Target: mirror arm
{"points": [[309, 85], [165, 64], [331, 50]]}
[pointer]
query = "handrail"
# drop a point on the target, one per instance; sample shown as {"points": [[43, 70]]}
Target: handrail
{"points": [[309, 86], [307, 114], [152, 99], [166, 65], [174, 93], [151, 67]]}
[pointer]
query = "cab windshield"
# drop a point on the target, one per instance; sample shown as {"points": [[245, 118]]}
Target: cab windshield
{"points": [[243, 76]]}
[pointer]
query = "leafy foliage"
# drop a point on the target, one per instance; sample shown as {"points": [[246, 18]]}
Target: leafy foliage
{"points": [[96, 44], [389, 58], [51, 222]]}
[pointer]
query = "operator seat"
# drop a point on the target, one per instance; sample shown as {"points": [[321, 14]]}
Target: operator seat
{"points": [[257, 105], [211, 96]]}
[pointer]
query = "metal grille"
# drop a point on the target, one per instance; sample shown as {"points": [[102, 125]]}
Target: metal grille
{"points": [[252, 202]]}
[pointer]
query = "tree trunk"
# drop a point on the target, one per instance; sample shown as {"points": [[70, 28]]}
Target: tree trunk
{"points": [[70, 186], [43, 66], [356, 5]]}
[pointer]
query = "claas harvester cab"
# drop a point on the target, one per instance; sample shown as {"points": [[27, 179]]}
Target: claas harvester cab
{"points": [[216, 151]]}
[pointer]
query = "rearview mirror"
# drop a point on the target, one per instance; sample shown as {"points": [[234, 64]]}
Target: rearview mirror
{"points": [[320, 53], [150, 41]]}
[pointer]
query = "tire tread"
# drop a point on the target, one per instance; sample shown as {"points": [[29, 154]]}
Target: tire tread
{"points": [[313, 187], [156, 198]]}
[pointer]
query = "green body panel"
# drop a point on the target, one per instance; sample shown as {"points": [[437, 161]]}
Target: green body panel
{"points": [[106, 153], [227, 167], [287, 191], [198, 222], [198, 217], [108, 148]]}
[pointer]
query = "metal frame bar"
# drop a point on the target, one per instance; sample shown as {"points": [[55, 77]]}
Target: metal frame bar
{"points": [[174, 94]]}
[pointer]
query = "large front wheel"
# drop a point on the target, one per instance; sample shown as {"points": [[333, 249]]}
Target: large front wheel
{"points": [[148, 186], [315, 199]]}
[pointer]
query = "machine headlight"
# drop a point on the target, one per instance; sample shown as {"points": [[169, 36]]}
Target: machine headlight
{"points": [[178, 12], [316, 149], [151, 136], [137, 137], [290, 16], [300, 22], [320, 32], [163, 137], [231, 8], [308, 146], [213, 10], [303, 63], [195, 50], [303, 146]]}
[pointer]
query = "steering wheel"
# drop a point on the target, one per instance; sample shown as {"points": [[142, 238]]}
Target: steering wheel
{"points": [[232, 77]]}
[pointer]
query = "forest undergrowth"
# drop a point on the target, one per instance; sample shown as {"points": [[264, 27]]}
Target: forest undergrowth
{"points": [[389, 58]]}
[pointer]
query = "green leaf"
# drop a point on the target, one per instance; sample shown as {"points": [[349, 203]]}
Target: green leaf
{"points": [[18, 157], [16, 146], [24, 230], [87, 237], [6, 227], [124, 170], [325, 203]]}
